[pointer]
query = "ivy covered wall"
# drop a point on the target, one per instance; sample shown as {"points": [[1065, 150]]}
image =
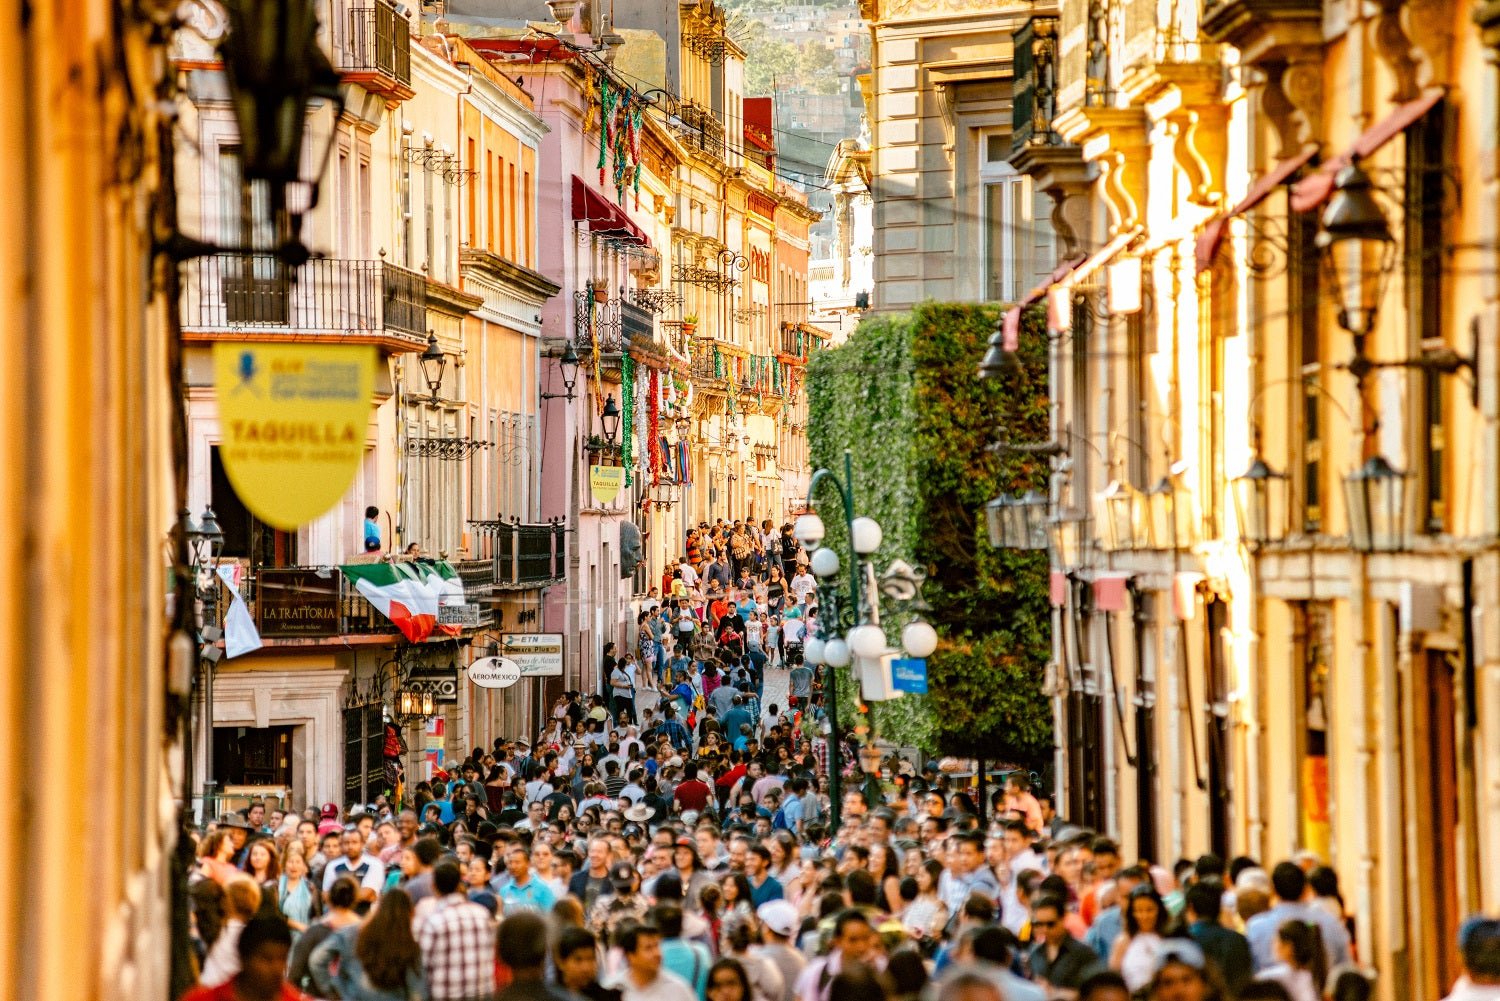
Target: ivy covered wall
{"points": [[902, 395]]}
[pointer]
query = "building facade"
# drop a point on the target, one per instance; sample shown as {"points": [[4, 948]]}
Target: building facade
{"points": [[1273, 491]]}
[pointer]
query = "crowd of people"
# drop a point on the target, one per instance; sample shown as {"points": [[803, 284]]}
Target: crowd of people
{"points": [[669, 838]]}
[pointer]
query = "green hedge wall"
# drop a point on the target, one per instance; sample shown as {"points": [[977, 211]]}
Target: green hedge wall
{"points": [[902, 395]]}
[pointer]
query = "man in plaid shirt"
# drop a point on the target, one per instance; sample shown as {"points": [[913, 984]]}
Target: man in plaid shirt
{"points": [[458, 942]]}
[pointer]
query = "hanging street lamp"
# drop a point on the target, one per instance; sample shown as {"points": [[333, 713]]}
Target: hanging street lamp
{"points": [[1375, 496]]}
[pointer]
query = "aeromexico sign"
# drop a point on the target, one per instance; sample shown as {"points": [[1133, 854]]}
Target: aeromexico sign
{"points": [[494, 672]]}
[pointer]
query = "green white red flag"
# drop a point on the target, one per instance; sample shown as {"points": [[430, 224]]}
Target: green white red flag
{"points": [[409, 593]]}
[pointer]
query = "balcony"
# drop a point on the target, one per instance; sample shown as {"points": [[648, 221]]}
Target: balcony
{"points": [[377, 51], [231, 296], [526, 556], [1034, 97], [636, 323], [701, 130]]}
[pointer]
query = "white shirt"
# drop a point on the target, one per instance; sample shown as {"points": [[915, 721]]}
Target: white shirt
{"points": [[223, 960], [802, 584], [667, 986], [689, 575], [792, 630], [374, 877]]}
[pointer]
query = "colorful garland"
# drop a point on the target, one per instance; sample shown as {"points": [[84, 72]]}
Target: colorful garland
{"points": [[653, 425], [627, 414]]}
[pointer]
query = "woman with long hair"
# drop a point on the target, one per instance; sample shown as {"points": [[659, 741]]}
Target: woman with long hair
{"points": [[738, 899], [1301, 965], [727, 981], [925, 916], [883, 866], [262, 866], [216, 857], [378, 960], [1134, 953], [296, 897]]}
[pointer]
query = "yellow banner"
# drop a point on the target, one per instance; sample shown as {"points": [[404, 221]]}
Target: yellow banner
{"points": [[605, 482], [292, 419]]}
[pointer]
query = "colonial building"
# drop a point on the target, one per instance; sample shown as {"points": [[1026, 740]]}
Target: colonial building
{"points": [[939, 101], [1274, 476]]}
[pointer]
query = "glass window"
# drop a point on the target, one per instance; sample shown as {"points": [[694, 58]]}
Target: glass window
{"points": [[1019, 245]]}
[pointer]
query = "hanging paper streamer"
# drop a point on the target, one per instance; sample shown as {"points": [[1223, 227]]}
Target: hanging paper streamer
{"points": [[635, 151], [684, 462], [653, 428], [627, 415], [606, 122]]}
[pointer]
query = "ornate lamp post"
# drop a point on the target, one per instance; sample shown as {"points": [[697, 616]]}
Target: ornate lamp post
{"points": [[1260, 504], [433, 363], [1018, 522], [849, 624], [568, 362]]}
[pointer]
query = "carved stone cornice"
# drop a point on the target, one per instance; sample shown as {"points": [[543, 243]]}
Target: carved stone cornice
{"points": [[1487, 17], [1115, 139], [1283, 39], [1188, 96], [1413, 39], [1061, 173]]}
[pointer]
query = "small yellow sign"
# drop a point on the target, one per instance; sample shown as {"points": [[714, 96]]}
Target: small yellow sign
{"points": [[292, 419], [605, 482]]}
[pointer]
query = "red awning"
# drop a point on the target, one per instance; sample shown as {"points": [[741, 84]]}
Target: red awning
{"points": [[1213, 233], [604, 217], [1312, 191], [1067, 274]]}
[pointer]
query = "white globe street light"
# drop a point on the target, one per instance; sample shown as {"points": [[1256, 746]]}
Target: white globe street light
{"points": [[919, 638], [836, 653], [825, 562], [813, 650], [866, 536], [809, 529], [867, 641]]}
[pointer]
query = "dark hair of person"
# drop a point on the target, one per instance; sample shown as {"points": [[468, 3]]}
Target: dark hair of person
{"points": [[1348, 984], [446, 878], [1098, 983], [1481, 949], [735, 967], [979, 907], [741, 885], [573, 939], [630, 933], [1239, 864], [208, 906], [428, 850], [385, 945], [863, 890], [1324, 881], [993, 943], [1264, 990], [1206, 899], [521, 941], [1209, 866], [847, 917], [908, 888], [857, 982], [262, 931], [1306, 943], [1127, 910], [907, 971], [343, 893], [1051, 900], [668, 918], [1289, 881]]}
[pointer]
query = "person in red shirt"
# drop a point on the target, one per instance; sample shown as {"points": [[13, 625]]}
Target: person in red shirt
{"points": [[264, 946], [692, 793]]}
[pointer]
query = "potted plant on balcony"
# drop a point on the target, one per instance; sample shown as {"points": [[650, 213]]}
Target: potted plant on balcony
{"points": [[689, 324], [601, 290]]}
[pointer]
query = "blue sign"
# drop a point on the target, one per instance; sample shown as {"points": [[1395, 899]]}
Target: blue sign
{"points": [[909, 674]]}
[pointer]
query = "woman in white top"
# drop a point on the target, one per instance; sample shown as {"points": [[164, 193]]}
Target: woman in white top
{"points": [[925, 916], [1134, 953], [1301, 965]]}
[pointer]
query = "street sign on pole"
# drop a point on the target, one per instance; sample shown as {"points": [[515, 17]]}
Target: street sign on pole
{"points": [[909, 674], [538, 655]]}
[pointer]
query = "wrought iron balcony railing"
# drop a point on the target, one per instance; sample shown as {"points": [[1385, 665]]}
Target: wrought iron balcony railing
{"points": [[524, 555], [233, 292], [377, 50], [702, 130]]}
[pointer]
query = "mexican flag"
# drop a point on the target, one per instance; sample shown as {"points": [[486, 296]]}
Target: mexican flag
{"points": [[409, 593]]}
